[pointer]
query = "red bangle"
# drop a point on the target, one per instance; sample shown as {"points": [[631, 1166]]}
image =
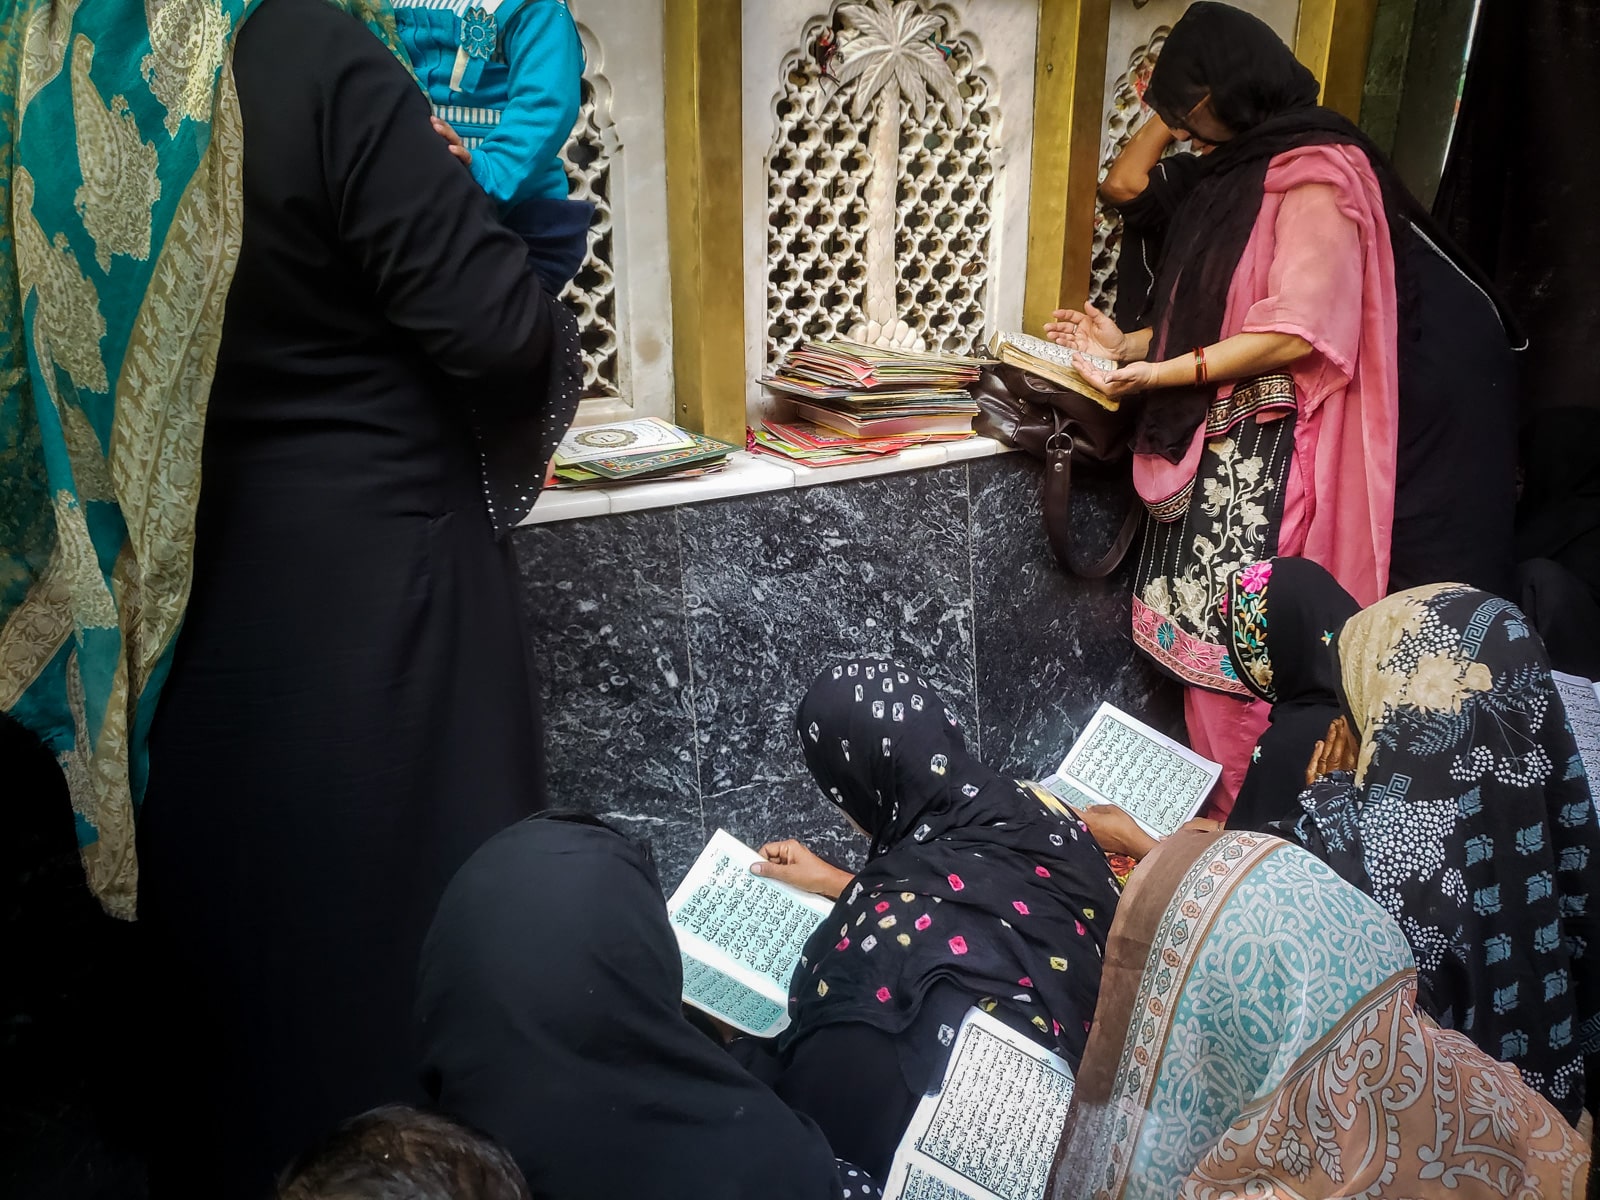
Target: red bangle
{"points": [[1200, 374]]}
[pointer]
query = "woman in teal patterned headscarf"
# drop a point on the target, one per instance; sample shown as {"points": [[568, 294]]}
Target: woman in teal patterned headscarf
{"points": [[113, 281], [1258, 1034]]}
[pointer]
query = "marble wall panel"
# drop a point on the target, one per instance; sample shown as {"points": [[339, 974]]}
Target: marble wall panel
{"points": [[603, 605], [777, 587], [675, 644], [1051, 646]]}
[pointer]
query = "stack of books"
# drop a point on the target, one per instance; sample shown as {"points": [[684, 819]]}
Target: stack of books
{"points": [[869, 394], [811, 444], [647, 450]]}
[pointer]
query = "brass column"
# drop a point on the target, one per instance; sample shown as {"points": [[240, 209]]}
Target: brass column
{"points": [[1068, 96], [705, 217], [1332, 39]]}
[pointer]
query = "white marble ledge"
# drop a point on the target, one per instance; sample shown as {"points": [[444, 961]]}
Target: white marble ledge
{"points": [[746, 474]]}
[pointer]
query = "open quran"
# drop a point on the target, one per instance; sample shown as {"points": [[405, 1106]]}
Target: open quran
{"points": [[990, 1131], [1059, 364], [740, 936], [1118, 760], [1581, 699]]}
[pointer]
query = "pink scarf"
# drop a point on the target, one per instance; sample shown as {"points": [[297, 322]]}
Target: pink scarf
{"points": [[1319, 265]]}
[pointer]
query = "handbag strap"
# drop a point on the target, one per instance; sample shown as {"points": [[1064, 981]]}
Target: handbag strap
{"points": [[1056, 503]]}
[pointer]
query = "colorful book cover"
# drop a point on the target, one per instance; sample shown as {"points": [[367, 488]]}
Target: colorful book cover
{"points": [[619, 439], [631, 466]]}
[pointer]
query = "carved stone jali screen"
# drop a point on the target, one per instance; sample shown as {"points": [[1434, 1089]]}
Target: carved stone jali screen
{"points": [[886, 160], [912, 161]]}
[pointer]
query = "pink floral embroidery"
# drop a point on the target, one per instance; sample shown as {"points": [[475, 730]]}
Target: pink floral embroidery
{"points": [[883, 995], [1082, 932], [1057, 1025], [923, 922], [881, 906], [1189, 658], [1020, 907], [1025, 981], [1041, 873], [958, 945], [844, 945], [1254, 577], [955, 883]]}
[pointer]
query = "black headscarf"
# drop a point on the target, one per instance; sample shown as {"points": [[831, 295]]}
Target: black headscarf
{"points": [[1145, 221], [969, 880], [1295, 669], [549, 1014], [1262, 93]]}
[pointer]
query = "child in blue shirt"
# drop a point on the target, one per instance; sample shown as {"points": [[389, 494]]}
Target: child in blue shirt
{"points": [[505, 80]]}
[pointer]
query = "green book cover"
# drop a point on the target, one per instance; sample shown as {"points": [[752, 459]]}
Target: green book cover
{"points": [[661, 461]]}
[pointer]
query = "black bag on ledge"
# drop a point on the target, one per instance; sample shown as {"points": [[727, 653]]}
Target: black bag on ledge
{"points": [[1059, 427]]}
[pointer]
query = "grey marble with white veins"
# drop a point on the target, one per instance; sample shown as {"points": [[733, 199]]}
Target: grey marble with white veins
{"points": [[602, 601], [673, 645]]}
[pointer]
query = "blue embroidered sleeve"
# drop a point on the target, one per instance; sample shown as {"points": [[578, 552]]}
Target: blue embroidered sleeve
{"points": [[545, 59]]}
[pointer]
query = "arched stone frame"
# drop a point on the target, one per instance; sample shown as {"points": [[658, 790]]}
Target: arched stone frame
{"points": [[714, 49]]}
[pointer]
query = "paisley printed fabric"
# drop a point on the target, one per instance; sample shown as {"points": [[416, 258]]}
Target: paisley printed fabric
{"points": [[970, 880], [1257, 1033], [1469, 820], [121, 175], [1231, 520]]}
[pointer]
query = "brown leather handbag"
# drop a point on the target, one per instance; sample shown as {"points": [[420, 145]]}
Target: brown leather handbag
{"points": [[1058, 427]]}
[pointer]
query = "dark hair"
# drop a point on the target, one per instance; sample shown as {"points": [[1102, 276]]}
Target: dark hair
{"points": [[402, 1153]]}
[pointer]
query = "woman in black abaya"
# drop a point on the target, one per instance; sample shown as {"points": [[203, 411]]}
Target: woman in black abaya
{"points": [[348, 714], [549, 1014]]}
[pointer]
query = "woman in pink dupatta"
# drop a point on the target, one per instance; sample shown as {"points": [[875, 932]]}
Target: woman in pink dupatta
{"points": [[1272, 420]]}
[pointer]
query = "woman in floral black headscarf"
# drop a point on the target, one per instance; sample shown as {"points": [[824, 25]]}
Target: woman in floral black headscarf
{"points": [[1466, 813], [973, 894]]}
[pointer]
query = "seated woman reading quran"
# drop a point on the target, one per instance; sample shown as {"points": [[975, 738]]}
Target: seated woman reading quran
{"points": [[1258, 1034], [973, 894], [549, 1015], [1462, 807]]}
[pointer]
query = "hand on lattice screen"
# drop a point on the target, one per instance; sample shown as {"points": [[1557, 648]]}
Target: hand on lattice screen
{"points": [[898, 336]]}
